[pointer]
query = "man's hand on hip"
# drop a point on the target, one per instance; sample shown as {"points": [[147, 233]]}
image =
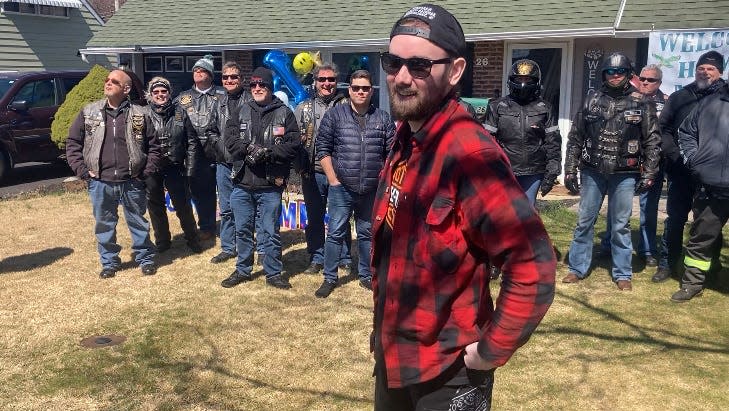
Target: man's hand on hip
{"points": [[473, 359]]}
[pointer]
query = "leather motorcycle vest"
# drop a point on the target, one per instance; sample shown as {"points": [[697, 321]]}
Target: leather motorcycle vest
{"points": [[170, 131]]}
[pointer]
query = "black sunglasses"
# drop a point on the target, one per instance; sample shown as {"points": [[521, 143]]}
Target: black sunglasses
{"points": [[329, 79], [356, 89], [614, 71], [648, 79], [418, 67], [261, 84], [231, 76]]}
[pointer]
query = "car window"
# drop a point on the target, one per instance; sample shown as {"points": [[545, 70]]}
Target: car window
{"points": [[70, 83], [41, 93], [5, 85]]}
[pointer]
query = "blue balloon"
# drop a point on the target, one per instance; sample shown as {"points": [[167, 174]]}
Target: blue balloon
{"points": [[279, 63]]}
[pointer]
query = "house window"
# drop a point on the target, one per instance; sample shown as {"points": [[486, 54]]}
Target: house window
{"points": [[153, 63], [34, 9]]}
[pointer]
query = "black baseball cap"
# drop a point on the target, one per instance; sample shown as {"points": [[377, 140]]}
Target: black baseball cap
{"points": [[444, 30]]}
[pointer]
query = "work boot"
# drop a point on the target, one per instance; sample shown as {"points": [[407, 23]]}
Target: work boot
{"points": [[661, 275], [107, 273], [149, 269], [314, 268], [325, 289], [685, 294], [279, 282], [222, 257], [234, 279], [650, 261]]}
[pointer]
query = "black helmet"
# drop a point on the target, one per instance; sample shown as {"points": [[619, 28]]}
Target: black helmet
{"points": [[617, 61], [525, 91]]}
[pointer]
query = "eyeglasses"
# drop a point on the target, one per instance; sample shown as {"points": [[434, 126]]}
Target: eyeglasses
{"points": [[231, 76], [260, 84], [418, 67], [325, 79], [357, 89], [113, 81], [613, 71], [649, 79], [163, 91]]}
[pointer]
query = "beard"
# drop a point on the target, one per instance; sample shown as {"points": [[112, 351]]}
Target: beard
{"points": [[701, 84], [419, 106]]}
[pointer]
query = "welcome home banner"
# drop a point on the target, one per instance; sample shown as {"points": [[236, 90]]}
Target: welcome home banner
{"points": [[676, 53]]}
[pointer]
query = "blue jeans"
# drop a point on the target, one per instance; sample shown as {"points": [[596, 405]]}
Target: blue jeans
{"points": [[202, 186], [227, 221], [619, 188], [647, 244], [316, 190], [105, 199], [244, 203], [342, 202], [530, 184]]}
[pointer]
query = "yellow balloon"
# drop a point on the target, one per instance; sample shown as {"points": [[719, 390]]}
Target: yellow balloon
{"points": [[303, 63]]}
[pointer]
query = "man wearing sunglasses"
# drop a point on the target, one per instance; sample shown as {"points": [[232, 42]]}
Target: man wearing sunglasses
{"points": [[615, 144], [352, 144], [228, 107], [446, 207], [201, 103], [112, 146], [263, 141], [314, 183], [178, 143], [649, 86], [681, 186]]}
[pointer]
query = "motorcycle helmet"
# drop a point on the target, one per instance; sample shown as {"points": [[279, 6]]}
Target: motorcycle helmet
{"points": [[525, 91]]}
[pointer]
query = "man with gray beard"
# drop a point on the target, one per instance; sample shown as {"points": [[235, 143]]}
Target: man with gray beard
{"points": [[681, 188]]}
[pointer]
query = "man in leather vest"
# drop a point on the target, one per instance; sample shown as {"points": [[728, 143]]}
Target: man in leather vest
{"points": [[314, 183], [229, 106], [178, 143], [615, 144], [201, 103], [112, 146], [263, 141], [681, 187]]}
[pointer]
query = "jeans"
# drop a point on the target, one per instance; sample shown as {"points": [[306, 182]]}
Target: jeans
{"points": [[647, 244], [172, 177], [619, 189], [678, 204], [342, 202], [105, 199], [316, 190], [202, 186], [244, 202], [530, 184], [227, 221]]}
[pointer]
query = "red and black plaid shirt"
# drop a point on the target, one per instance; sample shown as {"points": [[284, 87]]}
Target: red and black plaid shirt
{"points": [[458, 207]]}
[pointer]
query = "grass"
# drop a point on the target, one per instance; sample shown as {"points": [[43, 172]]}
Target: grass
{"points": [[192, 345]]}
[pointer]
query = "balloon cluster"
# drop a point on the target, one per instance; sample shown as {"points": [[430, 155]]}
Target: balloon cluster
{"points": [[303, 63]]}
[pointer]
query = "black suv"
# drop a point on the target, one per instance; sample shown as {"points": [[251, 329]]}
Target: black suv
{"points": [[28, 104]]}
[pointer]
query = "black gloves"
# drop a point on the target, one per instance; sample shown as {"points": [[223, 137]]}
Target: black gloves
{"points": [[257, 154], [644, 184], [570, 182], [547, 184]]}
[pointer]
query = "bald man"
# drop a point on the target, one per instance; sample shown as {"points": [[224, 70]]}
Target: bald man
{"points": [[112, 146]]}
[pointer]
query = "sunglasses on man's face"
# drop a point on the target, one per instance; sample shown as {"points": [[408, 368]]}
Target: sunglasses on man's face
{"points": [[255, 84], [357, 89], [325, 79], [113, 81], [648, 79], [618, 71], [231, 76], [418, 67]]}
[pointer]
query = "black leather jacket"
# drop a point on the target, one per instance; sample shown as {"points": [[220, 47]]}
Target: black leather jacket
{"points": [[272, 126], [528, 134], [176, 135], [308, 115], [229, 107], [616, 131], [202, 109]]}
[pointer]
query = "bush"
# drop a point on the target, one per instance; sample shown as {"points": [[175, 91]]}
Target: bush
{"points": [[90, 89]]}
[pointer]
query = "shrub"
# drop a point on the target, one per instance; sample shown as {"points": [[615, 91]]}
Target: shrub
{"points": [[90, 89]]}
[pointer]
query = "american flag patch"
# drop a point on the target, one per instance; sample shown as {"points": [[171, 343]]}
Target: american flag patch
{"points": [[278, 130]]}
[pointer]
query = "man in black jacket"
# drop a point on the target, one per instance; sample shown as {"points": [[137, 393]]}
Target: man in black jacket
{"points": [[524, 126], [352, 145], [228, 107], [178, 143], [681, 188], [263, 141], [615, 144], [704, 142]]}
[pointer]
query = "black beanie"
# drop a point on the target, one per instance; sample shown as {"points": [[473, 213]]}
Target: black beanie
{"points": [[713, 58], [264, 76]]}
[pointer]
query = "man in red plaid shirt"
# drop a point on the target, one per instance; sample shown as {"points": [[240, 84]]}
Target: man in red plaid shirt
{"points": [[447, 206]]}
